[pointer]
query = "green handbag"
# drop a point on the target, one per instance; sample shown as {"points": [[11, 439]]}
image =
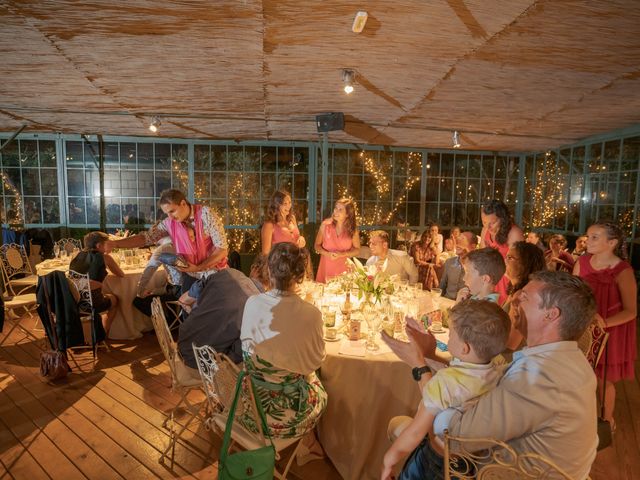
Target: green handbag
{"points": [[256, 464]]}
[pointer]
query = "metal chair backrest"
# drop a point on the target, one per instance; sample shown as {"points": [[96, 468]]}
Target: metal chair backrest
{"points": [[82, 284], [219, 376], [69, 245], [487, 458], [14, 261], [168, 346]]}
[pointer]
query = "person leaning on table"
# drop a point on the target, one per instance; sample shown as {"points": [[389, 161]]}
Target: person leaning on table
{"points": [[546, 401], [196, 231], [397, 262]]}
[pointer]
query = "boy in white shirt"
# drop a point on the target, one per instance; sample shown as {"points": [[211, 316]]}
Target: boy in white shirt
{"points": [[479, 330]]}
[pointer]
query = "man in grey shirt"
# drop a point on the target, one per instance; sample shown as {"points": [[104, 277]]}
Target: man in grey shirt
{"points": [[217, 318], [453, 274], [546, 402]]}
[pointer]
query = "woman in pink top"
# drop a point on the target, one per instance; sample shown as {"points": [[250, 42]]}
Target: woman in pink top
{"points": [[280, 223], [499, 232], [337, 239]]}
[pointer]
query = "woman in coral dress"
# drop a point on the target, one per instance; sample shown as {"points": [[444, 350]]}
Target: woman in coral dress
{"points": [[614, 286], [280, 223], [337, 240]]}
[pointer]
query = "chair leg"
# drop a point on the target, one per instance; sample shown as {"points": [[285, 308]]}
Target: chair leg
{"points": [[283, 475], [175, 434]]}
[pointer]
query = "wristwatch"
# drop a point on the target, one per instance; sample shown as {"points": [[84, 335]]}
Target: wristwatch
{"points": [[417, 372]]}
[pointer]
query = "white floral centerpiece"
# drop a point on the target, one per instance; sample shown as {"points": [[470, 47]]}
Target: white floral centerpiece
{"points": [[372, 282]]}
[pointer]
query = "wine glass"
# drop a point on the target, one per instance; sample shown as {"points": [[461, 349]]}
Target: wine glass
{"points": [[56, 250], [436, 293], [373, 320]]}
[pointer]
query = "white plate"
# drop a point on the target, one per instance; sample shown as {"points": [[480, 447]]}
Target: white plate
{"points": [[437, 331], [331, 339]]}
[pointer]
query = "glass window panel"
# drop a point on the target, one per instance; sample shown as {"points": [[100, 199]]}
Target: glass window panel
{"points": [[396, 163], [285, 157], [252, 159], [285, 181], [357, 160], [201, 185], [300, 185], [461, 165], [433, 184], [235, 158], [180, 180], [475, 166], [77, 210], [447, 165], [75, 156], [473, 191], [201, 158], [10, 155], [49, 181], [75, 182], [218, 157], [630, 153], [47, 153], [269, 159], [145, 184], [147, 210], [268, 186], [130, 211], [128, 157], [179, 157], [473, 214], [30, 181], [112, 207], [145, 156], [93, 210], [92, 179], [32, 210], [162, 156], [51, 210], [163, 182], [340, 161], [218, 187], [116, 183], [29, 153], [111, 155], [13, 176], [611, 154], [91, 152]]}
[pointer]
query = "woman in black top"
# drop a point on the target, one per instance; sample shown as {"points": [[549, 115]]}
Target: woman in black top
{"points": [[95, 261]]}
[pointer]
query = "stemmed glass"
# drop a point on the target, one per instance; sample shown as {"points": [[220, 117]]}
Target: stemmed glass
{"points": [[56, 250], [436, 293], [373, 319]]}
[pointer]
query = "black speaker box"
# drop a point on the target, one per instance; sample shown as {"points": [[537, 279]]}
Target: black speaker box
{"points": [[327, 122]]}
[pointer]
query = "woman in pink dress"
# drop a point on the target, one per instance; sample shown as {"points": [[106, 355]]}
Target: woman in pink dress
{"points": [[337, 239], [280, 223], [499, 232], [614, 286]]}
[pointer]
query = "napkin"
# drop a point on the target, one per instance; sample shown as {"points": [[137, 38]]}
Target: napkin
{"points": [[353, 349]]}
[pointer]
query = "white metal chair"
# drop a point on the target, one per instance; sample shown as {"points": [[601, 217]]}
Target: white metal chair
{"points": [[182, 380], [176, 309], [80, 286], [16, 269], [219, 375], [69, 245], [26, 304], [490, 459]]}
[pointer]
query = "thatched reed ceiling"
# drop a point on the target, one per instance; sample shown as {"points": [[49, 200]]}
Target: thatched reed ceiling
{"points": [[514, 75]]}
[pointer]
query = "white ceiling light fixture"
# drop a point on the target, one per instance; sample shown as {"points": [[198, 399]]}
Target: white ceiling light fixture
{"points": [[348, 77], [456, 139], [155, 124], [359, 22]]}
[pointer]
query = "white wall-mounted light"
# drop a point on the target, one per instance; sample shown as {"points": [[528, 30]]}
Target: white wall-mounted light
{"points": [[456, 139], [155, 124], [348, 77], [359, 22]]}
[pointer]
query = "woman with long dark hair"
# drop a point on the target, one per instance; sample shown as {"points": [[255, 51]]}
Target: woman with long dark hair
{"points": [[499, 232], [280, 223], [337, 240]]}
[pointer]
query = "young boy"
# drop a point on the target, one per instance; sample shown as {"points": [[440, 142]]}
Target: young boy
{"points": [[483, 269], [479, 330]]}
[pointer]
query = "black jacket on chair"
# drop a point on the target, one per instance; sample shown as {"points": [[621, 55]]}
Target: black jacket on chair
{"points": [[62, 304]]}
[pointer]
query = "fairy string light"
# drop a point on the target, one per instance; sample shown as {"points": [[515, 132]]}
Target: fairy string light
{"points": [[16, 202]]}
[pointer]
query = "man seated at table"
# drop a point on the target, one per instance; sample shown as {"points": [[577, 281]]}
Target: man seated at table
{"points": [[217, 317], [196, 231], [546, 402], [394, 262], [453, 274], [95, 260]]}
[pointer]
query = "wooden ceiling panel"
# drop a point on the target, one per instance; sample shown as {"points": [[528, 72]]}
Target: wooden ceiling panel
{"points": [[512, 75]]}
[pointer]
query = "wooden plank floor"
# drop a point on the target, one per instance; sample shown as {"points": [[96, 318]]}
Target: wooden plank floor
{"points": [[106, 422]]}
